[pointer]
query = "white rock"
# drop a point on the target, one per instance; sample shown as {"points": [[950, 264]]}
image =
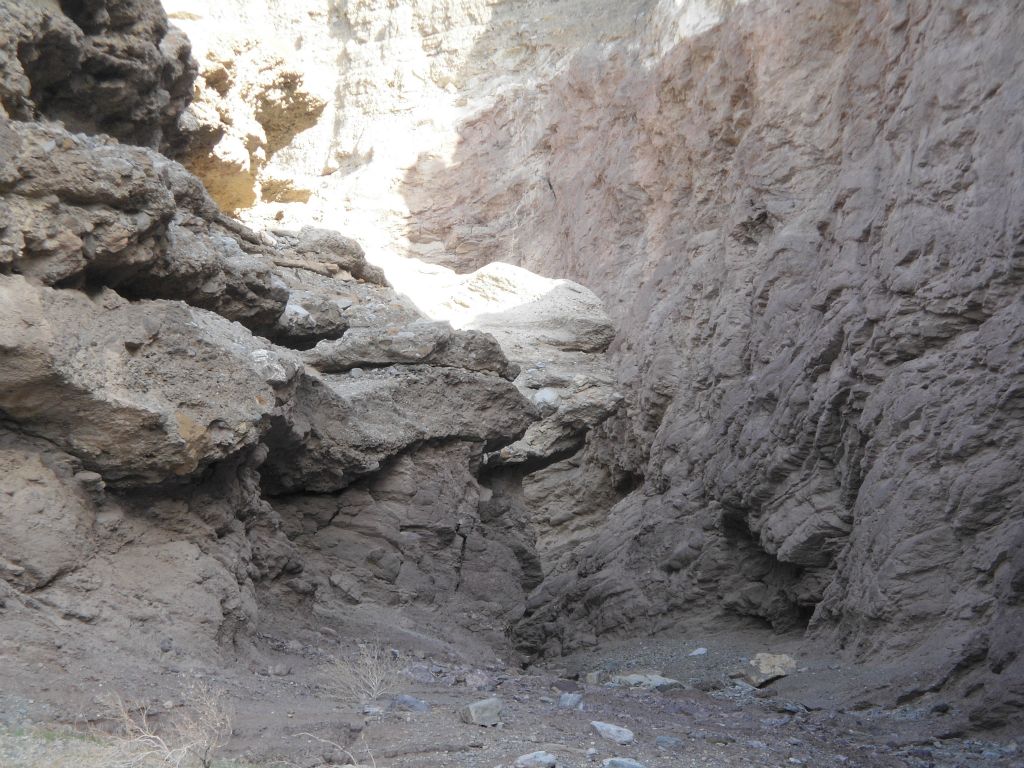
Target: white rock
{"points": [[615, 733], [536, 760]]}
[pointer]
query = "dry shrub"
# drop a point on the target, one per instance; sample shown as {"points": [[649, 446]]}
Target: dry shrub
{"points": [[191, 740], [371, 674]]}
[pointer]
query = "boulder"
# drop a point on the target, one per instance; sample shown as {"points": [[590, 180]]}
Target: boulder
{"points": [[615, 733], [485, 712], [649, 681], [433, 343], [141, 393], [98, 67], [536, 760], [341, 426], [765, 668], [87, 208]]}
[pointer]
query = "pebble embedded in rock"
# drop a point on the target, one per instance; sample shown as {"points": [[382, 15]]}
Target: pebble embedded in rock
{"points": [[622, 762], [615, 733]]}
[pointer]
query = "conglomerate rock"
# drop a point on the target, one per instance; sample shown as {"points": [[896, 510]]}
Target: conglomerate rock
{"points": [[104, 66]]}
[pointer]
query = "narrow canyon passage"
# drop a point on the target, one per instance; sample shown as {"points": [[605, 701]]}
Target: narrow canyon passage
{"points": [[528, 383]]}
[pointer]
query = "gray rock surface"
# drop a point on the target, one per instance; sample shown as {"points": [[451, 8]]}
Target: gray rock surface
{"points": [[803, 218], [140, 392], [109, 66], [536, 760], [433, 343], [344, 425], [616, 733], [485, 712], [170, 478], [811, 253], [621, 762], [83, 209]]}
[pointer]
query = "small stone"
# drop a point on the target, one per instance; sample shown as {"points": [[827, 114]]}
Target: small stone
{"points": [[480, 681], [486, 712], [595, 678], [411, 703], [698, 652], [755, 744], [279, 670], [622, 762], [765, 668], [166, 645], [536, 760], [648, 681], [373, 710], [615, 733], [570, 700], [668, 742], [90, 478]]}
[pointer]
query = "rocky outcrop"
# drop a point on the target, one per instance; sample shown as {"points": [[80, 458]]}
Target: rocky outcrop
{"points": [[198, 420], [104, 66], [109, 381]]}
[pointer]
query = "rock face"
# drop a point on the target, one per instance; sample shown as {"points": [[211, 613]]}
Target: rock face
{"points": [[819, 336], [199, 422], [109, 381], [105, 66], [802, 218]]}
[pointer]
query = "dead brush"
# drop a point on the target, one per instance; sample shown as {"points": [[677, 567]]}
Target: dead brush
{"points": [[370, 675], [191, 740]]}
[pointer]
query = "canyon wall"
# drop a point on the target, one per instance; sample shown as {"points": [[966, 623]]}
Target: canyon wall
{"points": [[804, 218], [205, 428]]}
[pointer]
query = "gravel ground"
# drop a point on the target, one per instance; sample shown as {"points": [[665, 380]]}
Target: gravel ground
{"points": [[825, 714]]}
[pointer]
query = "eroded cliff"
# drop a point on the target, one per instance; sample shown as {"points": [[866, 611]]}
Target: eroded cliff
{"points": [[205, 426], [804, 218]]}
